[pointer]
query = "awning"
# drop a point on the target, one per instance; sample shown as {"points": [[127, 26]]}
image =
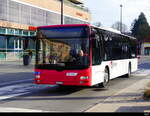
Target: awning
{"points": [[17, 32]]}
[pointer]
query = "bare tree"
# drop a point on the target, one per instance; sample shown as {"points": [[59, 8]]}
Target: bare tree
{"points": [[117, 26], [98, 24]]}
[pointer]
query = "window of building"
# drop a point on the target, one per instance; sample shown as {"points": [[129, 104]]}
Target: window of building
{"points": [[3, 9], [13, 11], [25, 14], [10, 42], [2, 42], [69, 20]]}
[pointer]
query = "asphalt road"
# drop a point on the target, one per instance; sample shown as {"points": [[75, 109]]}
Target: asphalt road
{"points": [[19, 93]]}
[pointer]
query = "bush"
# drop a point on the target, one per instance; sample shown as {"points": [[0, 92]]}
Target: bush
{"points": [[147, 92]]}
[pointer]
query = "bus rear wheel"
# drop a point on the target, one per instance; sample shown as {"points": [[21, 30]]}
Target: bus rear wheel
{"points": [[106, 79]]}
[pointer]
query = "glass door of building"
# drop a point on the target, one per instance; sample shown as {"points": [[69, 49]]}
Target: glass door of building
{"points": [[18, 47], [14, 48], [18, 44]]}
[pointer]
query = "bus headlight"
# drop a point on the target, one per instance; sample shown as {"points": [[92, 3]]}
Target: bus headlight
{"points": [[84, 77], [37, 75]]}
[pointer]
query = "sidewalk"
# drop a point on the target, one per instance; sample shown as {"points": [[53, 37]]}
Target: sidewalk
{"points": [[127, 100], [15, 66], [17, 62]]}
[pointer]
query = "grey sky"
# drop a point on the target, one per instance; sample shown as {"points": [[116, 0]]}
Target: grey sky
{"points": [[108, 11]]}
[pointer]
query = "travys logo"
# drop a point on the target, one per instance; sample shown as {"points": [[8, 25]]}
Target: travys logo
{"points": [[71, 74]]}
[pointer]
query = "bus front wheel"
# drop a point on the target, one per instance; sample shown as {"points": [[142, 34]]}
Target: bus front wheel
{"points": [[106, 79]]}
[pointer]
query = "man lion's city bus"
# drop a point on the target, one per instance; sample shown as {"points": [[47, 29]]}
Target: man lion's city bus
{"points": [[82, 55]]}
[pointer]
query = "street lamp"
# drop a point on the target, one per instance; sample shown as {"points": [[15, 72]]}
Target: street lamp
{"points": [[62, 11], [121, 17]]}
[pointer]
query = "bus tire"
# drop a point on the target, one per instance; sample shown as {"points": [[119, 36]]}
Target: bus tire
{"points": [[106, 79], [129, 70]]}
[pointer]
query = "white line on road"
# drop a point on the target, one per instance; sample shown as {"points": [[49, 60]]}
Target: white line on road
{"points": [[20, 89], [14, 82], [15, 90], [11, 109]]}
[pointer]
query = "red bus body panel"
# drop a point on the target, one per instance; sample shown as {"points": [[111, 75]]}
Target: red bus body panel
{"points": [[56, 77]]}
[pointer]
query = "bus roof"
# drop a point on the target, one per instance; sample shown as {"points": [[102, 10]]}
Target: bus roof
{"points": [[111, 30], [102, 28], [64, 25], [114, 31]]}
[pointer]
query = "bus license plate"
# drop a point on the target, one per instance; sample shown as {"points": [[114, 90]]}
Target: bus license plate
{"points": [[60, 83]]}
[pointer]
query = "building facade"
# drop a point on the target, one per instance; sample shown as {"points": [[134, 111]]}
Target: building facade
{"points": [[145, 48], [18, 17]]}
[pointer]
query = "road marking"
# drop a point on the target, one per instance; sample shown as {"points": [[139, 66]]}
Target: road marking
{"points": [[14, 82], [15, 90], [11, 109], [20, 89], [147, 111]]}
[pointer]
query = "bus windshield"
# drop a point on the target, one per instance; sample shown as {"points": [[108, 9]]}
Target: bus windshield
{"points": [[62, 48]]}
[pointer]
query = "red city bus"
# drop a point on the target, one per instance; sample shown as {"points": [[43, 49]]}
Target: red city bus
{"points": [[82, 55]]}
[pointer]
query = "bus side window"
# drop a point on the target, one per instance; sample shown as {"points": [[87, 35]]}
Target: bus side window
{"points": [[133, 52], [96, 57], [107, 48]]}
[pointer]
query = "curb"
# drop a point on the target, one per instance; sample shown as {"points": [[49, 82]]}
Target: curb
{"points": [[124, 100]]}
